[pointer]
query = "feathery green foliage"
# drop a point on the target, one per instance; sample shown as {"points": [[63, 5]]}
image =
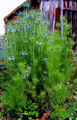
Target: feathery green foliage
{"points": [[45, 75]]}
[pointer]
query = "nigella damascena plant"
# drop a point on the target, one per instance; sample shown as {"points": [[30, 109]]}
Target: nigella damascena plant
{"points": [[33, 17], [11, 58], [46, 59], [31, 11], [12, 43], [50, 40], [44, 35], [3, 38], [28, 17], [24, 77], [20, 14], [50, 33], [28, 27], [17, 30], [8, 29], [12, 30], [43, 79], [24, 53], [21, 18], [9, 46], [20, 22]]}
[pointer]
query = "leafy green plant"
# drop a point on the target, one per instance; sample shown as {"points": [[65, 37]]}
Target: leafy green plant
{"points": [[13, 97], [30, 111], [47, 64]]}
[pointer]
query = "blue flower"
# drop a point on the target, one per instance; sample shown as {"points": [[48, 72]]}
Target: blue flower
{"points": [[2, 38], [50, 40], [31, 11], [33, 17], [20, 22], [21, 18], [46, 58], [49, 33], [24, 53], [29, 17], [17, 30], [8, 29], [24, 76], [5, 38], [44, 35], [27, 41], [11, 58], [12, 30], [12, 43], [44, 80], [20, 14], [28, 27], [9, 46]]}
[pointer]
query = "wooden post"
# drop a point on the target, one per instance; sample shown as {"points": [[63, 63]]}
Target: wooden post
{"points": [[61, 5]]}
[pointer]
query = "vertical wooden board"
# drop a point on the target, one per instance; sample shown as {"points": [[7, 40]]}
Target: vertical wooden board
{"points": [[51, 11], [57, 16], [61, 5]]}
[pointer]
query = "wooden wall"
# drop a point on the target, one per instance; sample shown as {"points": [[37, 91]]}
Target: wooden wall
{"points": [[70, 12]]}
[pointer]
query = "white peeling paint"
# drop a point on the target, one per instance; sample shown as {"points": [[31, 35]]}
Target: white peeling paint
{"points": [[2, 27], [6, 7]]}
